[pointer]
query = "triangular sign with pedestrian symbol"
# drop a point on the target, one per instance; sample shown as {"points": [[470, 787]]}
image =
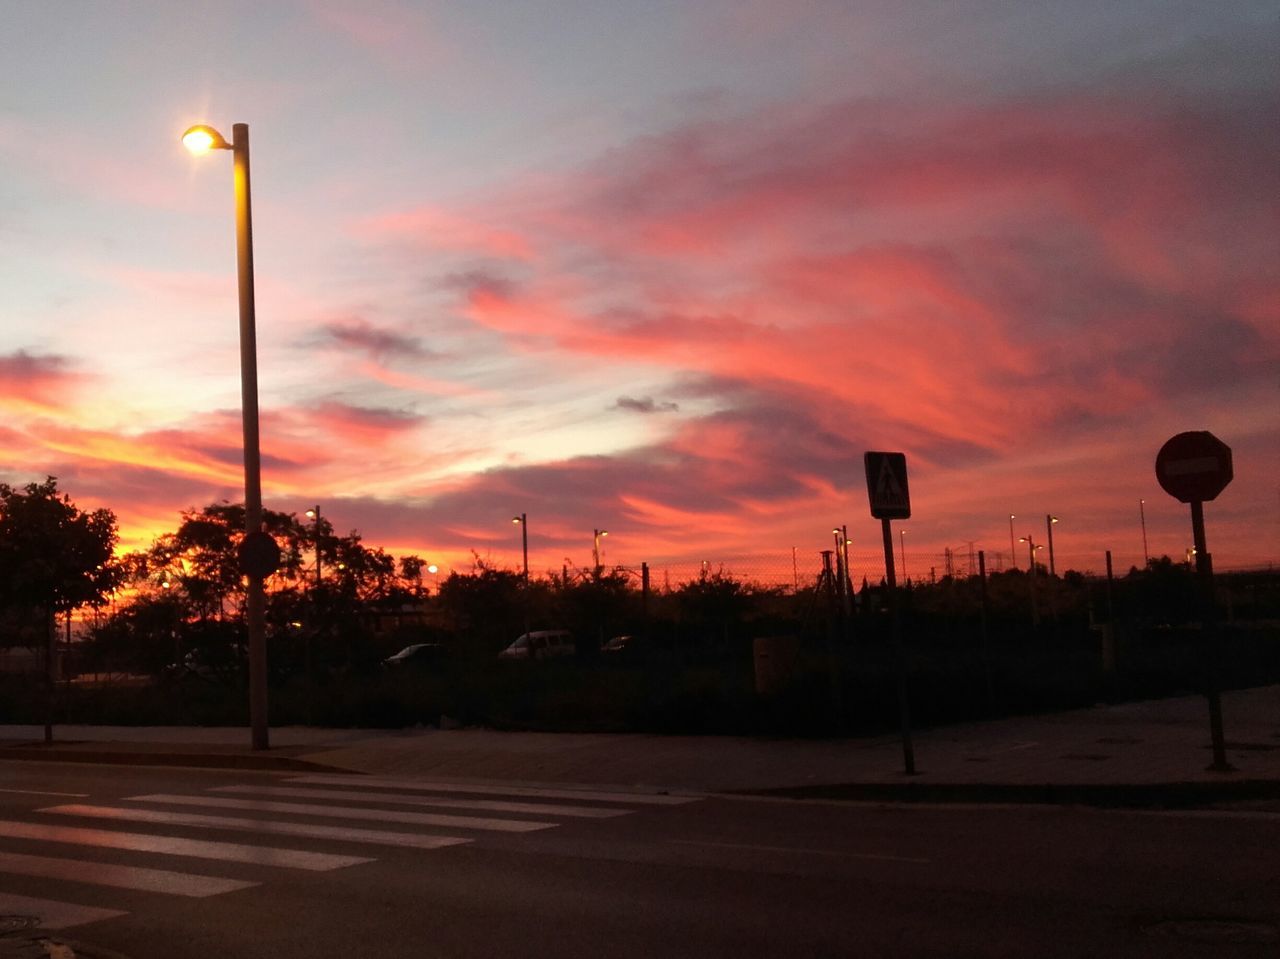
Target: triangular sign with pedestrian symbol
{"points": [[887, 485]]}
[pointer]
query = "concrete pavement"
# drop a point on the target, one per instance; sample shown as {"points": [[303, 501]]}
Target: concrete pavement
{"points": [[1154, 752]]}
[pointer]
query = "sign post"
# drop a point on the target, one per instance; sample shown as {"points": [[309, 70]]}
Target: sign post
{"points": [[1195, 467], [890, 500]]}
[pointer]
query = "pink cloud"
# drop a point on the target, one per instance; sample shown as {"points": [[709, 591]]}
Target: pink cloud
{"points": [[434, 228], [33, 384]]}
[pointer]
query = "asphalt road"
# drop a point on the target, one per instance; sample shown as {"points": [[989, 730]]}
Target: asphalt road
{"points": [[188, 862]]}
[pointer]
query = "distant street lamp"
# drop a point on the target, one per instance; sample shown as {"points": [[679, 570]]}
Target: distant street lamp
{"points": [[523, 522], [902, 542], [842, 557], [1142, 515], [848, 577], [314, 513], [1013, 550], [595, 547], [200, 140], [1049, 520], [1031, 552]]}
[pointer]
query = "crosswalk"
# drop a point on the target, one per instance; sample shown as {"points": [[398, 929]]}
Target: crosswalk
{"points": [[246, 834]]}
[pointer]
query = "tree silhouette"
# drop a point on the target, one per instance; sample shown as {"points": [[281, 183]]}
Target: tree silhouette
{"points": [[53, 557]]}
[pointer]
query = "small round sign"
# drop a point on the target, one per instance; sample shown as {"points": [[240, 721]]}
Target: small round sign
{"points": [[259, 554], [1194, 467]]}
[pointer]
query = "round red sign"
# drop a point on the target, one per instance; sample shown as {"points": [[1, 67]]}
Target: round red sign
{"points": [[259, 554], [1194, 466]]}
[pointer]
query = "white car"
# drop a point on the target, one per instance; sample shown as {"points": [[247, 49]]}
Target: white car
{"points": [[541, 644]]}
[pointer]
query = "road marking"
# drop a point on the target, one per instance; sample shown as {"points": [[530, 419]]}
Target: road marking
{"points": [[38, 792], [169, 846], [271, 827], [121, 877], [349, 812], [795, 849], [586, 795], [488, 805], [53, 914]]}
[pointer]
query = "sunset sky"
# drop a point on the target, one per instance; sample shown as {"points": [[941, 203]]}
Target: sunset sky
{"points": [[663, 268]]}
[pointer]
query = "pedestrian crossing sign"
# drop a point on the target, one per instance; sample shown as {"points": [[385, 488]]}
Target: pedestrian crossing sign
{"points": [[887, 485]]}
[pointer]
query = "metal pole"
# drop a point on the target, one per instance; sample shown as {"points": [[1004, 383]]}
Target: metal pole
{"points": [[255, 600], [1142, 514], [1049, 520], [1013, 549], [1209, 619], [904, 708], [902, 541], [848, 578], [986, 654], [316, 510], [524, 543], [1035, 609]]}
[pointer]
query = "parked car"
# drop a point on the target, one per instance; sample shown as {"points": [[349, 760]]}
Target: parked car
{"points": [[419, 654], [541, 644], [219, 663], [618, 645]]}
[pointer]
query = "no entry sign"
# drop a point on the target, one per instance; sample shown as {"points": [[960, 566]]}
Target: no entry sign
{"points": [[1194, 467]]}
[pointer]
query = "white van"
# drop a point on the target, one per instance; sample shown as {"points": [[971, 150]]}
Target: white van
{"points": [[540, 644]]}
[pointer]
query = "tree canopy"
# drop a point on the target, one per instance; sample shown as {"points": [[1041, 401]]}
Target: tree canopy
{"points": [[53, 556]]}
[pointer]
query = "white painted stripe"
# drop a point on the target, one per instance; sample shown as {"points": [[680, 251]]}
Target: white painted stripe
{"points": [[121, 877], [38, 792], [169, 846], [400, 799], [585, 795], [348, 812], [271, 827], [53, 914]]}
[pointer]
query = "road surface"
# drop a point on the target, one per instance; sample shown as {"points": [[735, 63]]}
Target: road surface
{"points": [[214, 864]]}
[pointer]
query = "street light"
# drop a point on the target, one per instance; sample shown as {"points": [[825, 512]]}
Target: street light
{"points": [[523, 522], [200, 140], [1142, 515], [902, 542], [595, 547], [841, 555], [1013, 550], [1048, 525], [314, 513], [1031, 552]]}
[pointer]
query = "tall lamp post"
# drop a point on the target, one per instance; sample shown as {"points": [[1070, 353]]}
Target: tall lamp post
{"points": [[595, 548], [1013, 550], [523, 522], [200, 140], [902, 543], [1049, 520]]}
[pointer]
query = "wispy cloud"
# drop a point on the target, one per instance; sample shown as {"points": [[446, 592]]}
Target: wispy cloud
{"points": [[645, 404]]}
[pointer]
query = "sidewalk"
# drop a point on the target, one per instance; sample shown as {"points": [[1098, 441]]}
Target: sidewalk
{"points": [[1140, 753]]}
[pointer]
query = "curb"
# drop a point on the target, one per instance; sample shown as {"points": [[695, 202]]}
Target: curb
{"points": [[199, 760], [35, 946], [1167, 795]]}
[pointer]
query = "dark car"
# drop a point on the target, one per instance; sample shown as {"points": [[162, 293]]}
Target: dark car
{"points": [[217, 663], [419, 654], [619, 645]]}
